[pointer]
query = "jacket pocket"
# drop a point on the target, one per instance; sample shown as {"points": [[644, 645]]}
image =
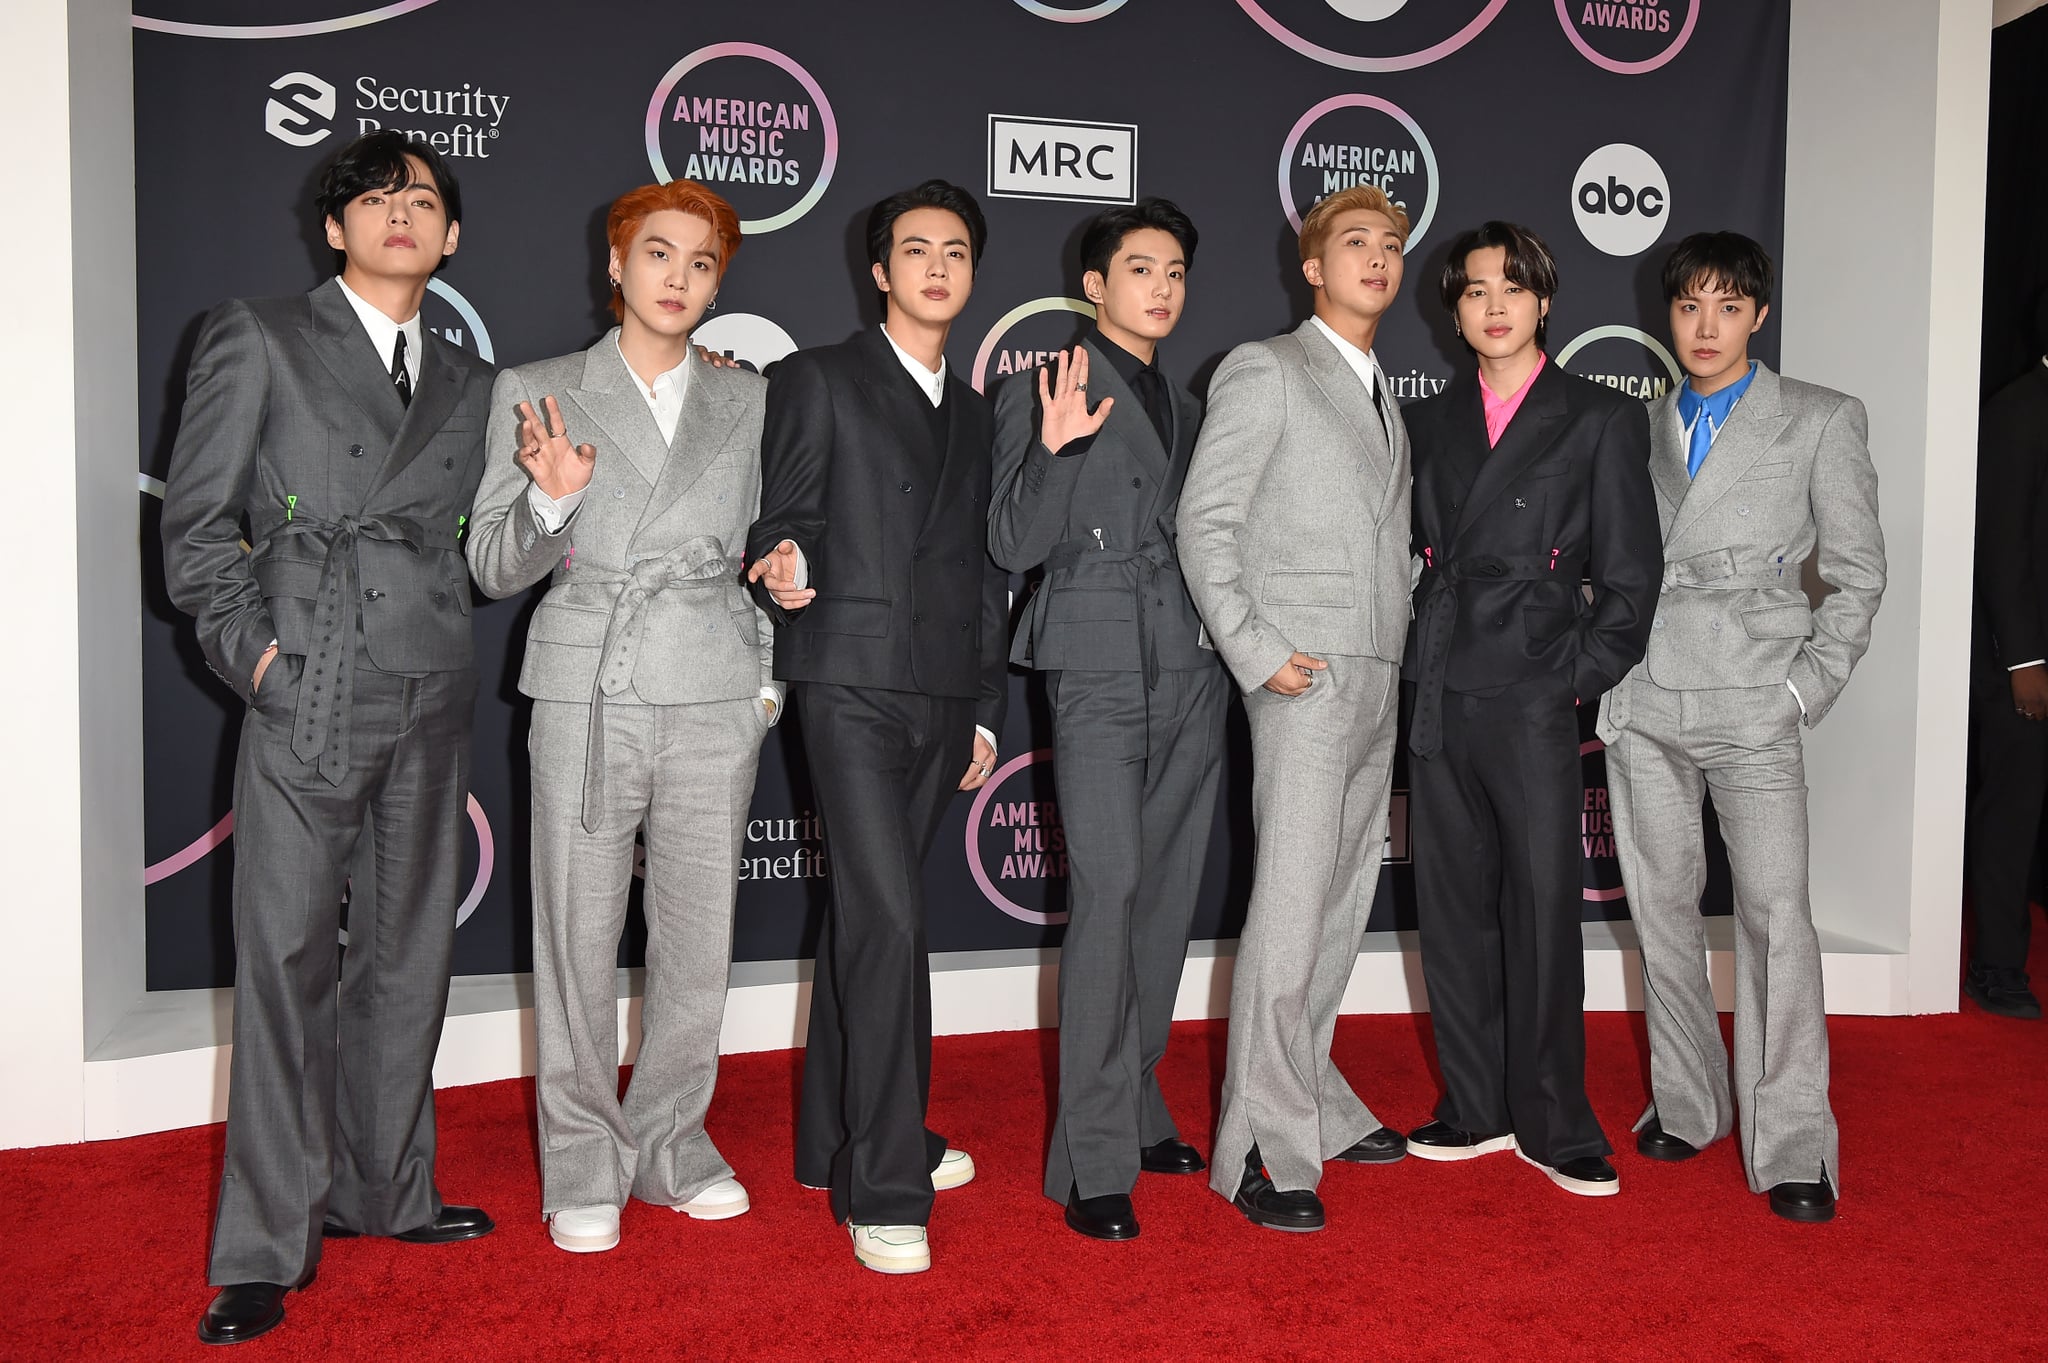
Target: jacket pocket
{"points": [[748, 626], [554, 623], [1792, 620], [1300, 587], [867, 616], [1547, 623], [1072, 604], [298, 577], [1776, 469]]}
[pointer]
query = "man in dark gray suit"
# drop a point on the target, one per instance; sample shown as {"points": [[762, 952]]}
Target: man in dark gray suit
{"points": [[350, 441], [1137, 702]]}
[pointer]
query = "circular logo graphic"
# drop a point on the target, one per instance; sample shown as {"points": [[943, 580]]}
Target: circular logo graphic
{"points": [[749, 122], [1016, 845], [1627, 37], [1373, 35], [1622, 357], [450, 316], [1621, 200], [306, 28], [751, 339], [1048, 329], [1078, 12], [1601, 882], [1359, 139]]}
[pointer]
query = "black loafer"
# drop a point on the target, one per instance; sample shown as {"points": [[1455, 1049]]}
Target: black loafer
{"points": [[1654, 1142], [453, 1224], [1171, 1156], [1109, 1217], [2003, 992], [1442, 1141], [1384, 1146], [242, 1311], [1268, 1206], [1804, 1201]]}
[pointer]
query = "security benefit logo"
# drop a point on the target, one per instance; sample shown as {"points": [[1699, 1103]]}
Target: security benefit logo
{"points": [[750, 122], [1028, 336], [1048, 158], [1373, 35], [1016, 845], [1621, 199], [1628, 37], [1359, 139], [1622, 357], [790, 848], [459, 119]]}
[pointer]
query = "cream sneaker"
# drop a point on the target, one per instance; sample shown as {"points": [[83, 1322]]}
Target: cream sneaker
{"points": [[721, 1201], [892, 1249], [585, 1230], [955, 1168]]}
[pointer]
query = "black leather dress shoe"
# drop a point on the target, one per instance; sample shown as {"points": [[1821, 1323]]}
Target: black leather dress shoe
{"points": [[1654, 1142], [1171, 1156], [2003, 992], [1109, 1217], [1804, 1201], [1442, 1141], [1383, 1146], [454, 1223], [1268, 1206], [242, 1311]]}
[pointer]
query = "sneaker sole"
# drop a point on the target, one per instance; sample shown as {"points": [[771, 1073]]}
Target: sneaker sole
{"points": [[941, 1182], [724, 1211], [1446, 1154], [892, 1265], [584, 1244], [1577, 1186]]}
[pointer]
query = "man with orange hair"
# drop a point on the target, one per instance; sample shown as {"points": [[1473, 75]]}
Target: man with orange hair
{"points": [[1294, 544], [633, 482]]}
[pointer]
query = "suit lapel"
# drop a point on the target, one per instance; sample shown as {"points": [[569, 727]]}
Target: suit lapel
{"points": [[1753, 427], [1536, 425], [336, 337], [1333, 375], [440, 389], [708, 416], [611, 396], [1667, 460], [895, 398], [1128, 421]]}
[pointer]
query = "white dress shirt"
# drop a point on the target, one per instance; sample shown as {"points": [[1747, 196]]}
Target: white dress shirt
{"points": [[664, 399], [1363, 363]]}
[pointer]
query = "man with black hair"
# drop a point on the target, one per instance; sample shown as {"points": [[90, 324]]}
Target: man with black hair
{"points": [[350, 441], [1756, 476], [1137, 701], [870, 553]]}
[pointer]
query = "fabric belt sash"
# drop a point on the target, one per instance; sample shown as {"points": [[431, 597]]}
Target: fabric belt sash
{"points": [[695, 563], [1436, 615], [1715, 571], [1153, 559], [321, 728]]}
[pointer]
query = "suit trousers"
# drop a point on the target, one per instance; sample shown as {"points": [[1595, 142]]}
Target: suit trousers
{"points": [[330, 1092], [682, 775], [1666, 751], [884, 766], [1322, 770], [2011, 779], [1136, 772], [1499, 884]]}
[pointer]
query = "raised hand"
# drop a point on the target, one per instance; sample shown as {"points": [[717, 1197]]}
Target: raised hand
{"points": [[1063, 401], [778, 568], [556, 467]]}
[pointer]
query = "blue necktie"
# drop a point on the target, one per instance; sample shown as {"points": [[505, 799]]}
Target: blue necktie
{"points": [[1702, 441]]}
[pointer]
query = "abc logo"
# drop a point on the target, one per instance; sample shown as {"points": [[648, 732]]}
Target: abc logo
{"points": [[1621, 199]]}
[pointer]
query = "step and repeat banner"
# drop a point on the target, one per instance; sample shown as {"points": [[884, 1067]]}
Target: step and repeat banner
{"points": [[1612, 127]]}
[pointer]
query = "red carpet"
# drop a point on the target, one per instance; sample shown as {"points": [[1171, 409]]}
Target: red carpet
{"points": [[1939, 1250]]}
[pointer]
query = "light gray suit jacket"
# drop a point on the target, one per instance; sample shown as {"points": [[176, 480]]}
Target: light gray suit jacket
{"points": [[647, 570], [1789, 477], [1294, 517]]}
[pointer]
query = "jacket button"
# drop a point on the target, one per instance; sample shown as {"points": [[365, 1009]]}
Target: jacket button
{"points": [[440, 597], [1714, 624], [371, 593], [447, 463], [916, 619], [903, 487], [1658, 623], [1137, 482], [355, 451], [618, 492], [1742, 511]]}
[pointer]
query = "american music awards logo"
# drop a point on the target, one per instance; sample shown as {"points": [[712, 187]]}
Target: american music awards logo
{"points": [[749, 122], [1628, 37], [1359, 139], [1071, 11], [449, 315], [1374, 35], [1016, 845], [194, 23], [1027, 336], [1622, 357]]}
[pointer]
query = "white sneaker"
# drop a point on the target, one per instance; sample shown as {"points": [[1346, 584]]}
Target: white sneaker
{"points": [[955, 1168], [721, 1201], [892, 1249], [585, 1230]]}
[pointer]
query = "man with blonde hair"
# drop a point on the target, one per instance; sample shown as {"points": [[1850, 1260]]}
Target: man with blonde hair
{"points": [[1293, 529]]}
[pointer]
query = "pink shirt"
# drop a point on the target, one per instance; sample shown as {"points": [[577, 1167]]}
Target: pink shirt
{"points": [[1500, 411]]}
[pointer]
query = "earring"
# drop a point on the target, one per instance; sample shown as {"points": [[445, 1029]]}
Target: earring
{"points": [[712, 306], [615, 283]]}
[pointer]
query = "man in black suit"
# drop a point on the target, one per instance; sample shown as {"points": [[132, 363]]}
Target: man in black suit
{"points": [[891, 621], [2009, 682], [1528, 480]]}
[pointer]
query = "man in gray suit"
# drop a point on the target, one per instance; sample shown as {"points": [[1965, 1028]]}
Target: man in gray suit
{"points": [[350, 441], [1137, 702], [1755, 475], [649, 670], [1294, 539]]}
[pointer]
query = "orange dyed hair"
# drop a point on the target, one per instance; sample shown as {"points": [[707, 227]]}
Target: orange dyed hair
{"points": [[636, 206], [1371, 198]]}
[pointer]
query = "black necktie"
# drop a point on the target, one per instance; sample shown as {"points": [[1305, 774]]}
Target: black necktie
{"points": [[399, 378], [1379, 404], [1151, 388]]}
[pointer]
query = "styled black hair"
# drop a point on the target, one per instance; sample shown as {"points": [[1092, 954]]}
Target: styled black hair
{"points": [[931, 194], [1106, 231], [1728, 259], [377, 161], [1529, 263]]}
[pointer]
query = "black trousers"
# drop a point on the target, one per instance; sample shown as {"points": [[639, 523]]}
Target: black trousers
{"points": [[884, 764], [2011, 771], [1498, 888]]}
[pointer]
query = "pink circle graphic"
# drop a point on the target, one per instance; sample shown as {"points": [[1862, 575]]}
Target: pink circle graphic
{"points": [[1344, 60], [1418, 223], [789, 66], [1622, 68], [981, 799]]}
